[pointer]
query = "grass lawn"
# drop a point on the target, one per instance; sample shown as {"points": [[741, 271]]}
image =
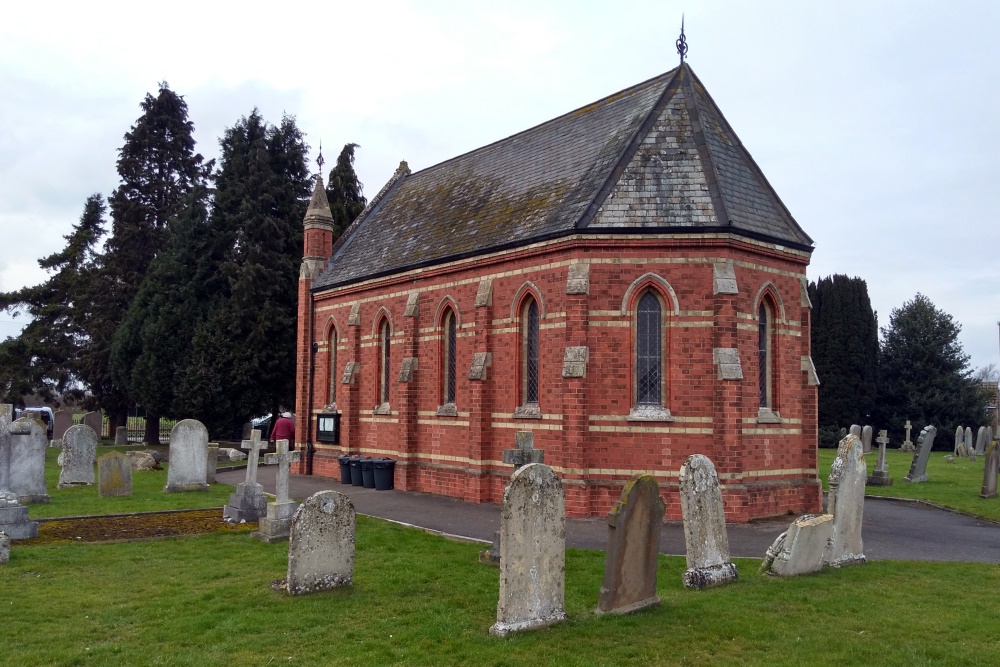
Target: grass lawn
{"points": [[147, 493], [423, 600], [955, 485]]}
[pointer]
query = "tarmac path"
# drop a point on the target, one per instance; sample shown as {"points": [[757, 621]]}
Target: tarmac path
{"points": [[893, 530]]}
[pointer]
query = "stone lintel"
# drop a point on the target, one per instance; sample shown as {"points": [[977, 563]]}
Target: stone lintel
{"points": [[724, 279], [575, 361], [412, 305], [484, 295], [727, 361], [578, 279]]}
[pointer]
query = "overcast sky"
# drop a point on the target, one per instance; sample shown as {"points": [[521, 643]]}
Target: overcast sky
{"points": [[876, 122]]}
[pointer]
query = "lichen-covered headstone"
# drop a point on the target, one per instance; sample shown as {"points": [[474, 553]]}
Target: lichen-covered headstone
{"points": [[321, 544], [866, 438], [114, 475], [532, 551], [925, 442], [847, 503], [990, 471], [4, 547], [705, 533], [188, 459], [801, 548], [633, 548], [79, 452], [27, 464]]}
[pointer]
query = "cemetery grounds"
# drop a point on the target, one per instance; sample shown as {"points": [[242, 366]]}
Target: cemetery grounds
{"points": [[423, 600]]}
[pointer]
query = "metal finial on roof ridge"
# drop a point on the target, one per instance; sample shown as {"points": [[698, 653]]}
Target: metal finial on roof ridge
{"points": [[681, 43], [320, 160]]}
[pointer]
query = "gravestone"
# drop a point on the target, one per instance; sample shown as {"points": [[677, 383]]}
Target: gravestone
{"points": [[532, 551], [846, 502], [970, 446], [114, 475], [247, 503], [63, 420], [866, 439], [212, 462], [13, 515], [843, 433], [880, 476], [78, 455], [918, 467], [991, 468], [524, 452], [907, 445], [95, 420], [982, 440], [800, 549], [855, 430], [121, 436], [142, 460], [959, 441], [633, 548], [278, 521], [704, 525], [4, 547], [321, 544], [188, 458], [27, 464]]}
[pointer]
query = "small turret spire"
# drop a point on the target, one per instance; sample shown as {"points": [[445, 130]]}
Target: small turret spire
{"points": [[682, 45]]}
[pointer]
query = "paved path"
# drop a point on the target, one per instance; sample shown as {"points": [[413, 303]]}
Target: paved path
{"points": [[892, 531]]}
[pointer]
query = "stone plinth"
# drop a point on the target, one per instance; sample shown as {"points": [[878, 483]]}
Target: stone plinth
{"points": [[276, 525]]}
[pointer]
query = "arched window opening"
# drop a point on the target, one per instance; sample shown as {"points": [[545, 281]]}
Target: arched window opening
{"points": [[529, 351], [649, 351], [384, 364], [450, 356], [333, 367], [764, 353]]}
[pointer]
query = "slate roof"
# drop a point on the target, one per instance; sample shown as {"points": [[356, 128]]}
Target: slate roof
{"points": [[551, 181]]}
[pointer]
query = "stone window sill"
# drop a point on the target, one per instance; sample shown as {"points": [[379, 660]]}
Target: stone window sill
{"points": [[528, 411], [649, 413], [767, 416], [382, 409], [447, 410]]}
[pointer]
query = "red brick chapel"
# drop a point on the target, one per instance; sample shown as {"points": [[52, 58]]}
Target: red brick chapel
{"points": [[622, 281]]}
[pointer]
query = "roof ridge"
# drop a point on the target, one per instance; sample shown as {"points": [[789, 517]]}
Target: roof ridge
{"points": [[607, 98]]}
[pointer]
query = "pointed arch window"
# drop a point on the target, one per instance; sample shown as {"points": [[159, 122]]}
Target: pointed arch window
{"points": [[384, 363], [649, 351], [449, 367], [529, 351], [764, 356], [332, 338]]}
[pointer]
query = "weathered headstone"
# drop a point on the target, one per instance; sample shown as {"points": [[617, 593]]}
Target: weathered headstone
{"points": [[232, 454], [959, 440], [843, 433], [13, 515], [705, 533], [4, 547], [247, 503], [801, 548], [991, 468], [524, 452], [142, 460], [866, 439], [95, 420], [855, 430], [321, 544], [63, 420], [114, 475], [907, 445], [633, 548], [880, 476], [982, 441], [27, 464], [847, 504], [918, 467], [121, 436], [278, 521], [187, 470], [970, 446], [78, 455], [532, 551], [212, 463]]}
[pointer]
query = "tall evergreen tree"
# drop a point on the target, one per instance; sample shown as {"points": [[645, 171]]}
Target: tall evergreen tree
{"points": [[845, 352], [345, 191], [42, 358], [158, 168], [246, 348], [924, 373]]}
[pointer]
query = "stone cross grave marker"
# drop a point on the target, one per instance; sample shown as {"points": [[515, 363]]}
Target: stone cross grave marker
{"points": [[532, 551], [991, 468], [114, 475], [959, 440], [188, 460], [847, 503], [247, 503], [277, 523], [27, 464], [907, 445], [321, 544], [79, 453], [866, 438], [918, 467], [633, 548], [880, 476], [13, 516], [705, 536], [524, 452]]}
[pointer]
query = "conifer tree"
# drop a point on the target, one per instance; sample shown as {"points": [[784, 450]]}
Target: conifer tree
{"points": [[345, 191], [42, 358]]}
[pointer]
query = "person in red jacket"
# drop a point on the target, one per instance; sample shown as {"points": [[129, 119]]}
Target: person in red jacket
{"points": [[284, 429]]}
